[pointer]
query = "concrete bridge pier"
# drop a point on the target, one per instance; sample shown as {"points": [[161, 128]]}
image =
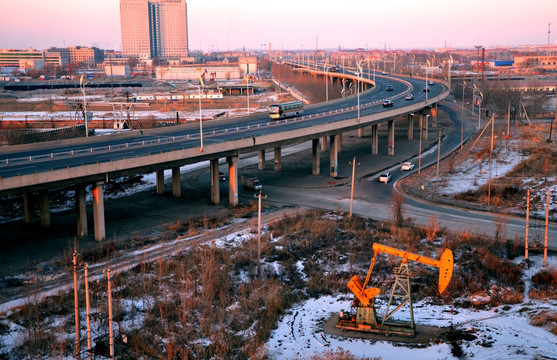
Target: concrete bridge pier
{"points": [[232, 179], [215, 185], [315, 154], [81, 210], [339, 142], [324, 144], [424, 127], [29, 207], [361, 132], [98, 211], [261, 159], [44, 208], [374, 140], [410, 126], [176, 185], [391, 138], [333, 156], [160, 181], [278, 159]]}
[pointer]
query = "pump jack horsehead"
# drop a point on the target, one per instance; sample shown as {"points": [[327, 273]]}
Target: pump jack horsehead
{"points": [[366, 318]]}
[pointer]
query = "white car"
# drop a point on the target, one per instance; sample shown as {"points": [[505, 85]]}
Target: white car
{"points": [[385, 177], [407, 166]]}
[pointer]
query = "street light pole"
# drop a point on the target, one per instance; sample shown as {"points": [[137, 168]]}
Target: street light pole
{"points": [[326, 81], [200, 121], [248, 93], [352, 188], [259, 232], [84, 105], [462, 115], [358, 91]]}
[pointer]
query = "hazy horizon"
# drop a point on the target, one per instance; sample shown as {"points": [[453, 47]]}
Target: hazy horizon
{"points": [[222, 25]]}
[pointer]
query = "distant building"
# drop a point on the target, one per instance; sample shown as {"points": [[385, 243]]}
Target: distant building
{"points": [[547, 63], [12, 58], [87, 55], [154, 28], [248, 64]]}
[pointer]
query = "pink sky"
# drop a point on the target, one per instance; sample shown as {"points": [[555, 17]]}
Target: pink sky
{"points": [[289, 24]]}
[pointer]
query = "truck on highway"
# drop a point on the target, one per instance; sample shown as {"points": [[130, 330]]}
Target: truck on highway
{"points": [[251, 183]]}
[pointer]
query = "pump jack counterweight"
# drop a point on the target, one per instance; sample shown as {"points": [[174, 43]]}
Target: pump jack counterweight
{"points": [[366, 318]]}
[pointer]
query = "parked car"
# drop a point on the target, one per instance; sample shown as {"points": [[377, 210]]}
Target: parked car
{"points": [[407, 166], [425, 88], [222, 177], [389, 87], [385, 177], [387, 103], [409, 96]]}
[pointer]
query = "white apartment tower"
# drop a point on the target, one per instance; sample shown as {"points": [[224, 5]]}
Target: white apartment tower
{"points": [[154, 28]]}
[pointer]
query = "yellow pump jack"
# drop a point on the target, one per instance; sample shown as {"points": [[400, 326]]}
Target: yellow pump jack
{"points": [[366, 318]]}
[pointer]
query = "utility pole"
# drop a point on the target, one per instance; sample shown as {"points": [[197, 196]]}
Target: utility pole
{"points": [[438, 153], [259, 196], [76, 306], [353, 163], [420, 148], [110, 330], [490, 156], [546, 228], [527, 221], [88, 311]]}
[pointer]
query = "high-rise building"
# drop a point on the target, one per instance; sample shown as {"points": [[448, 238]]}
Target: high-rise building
{"points": [[154, 28]]}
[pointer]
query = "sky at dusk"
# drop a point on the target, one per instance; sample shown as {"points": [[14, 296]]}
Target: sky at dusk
{"points": [[221, 25]]}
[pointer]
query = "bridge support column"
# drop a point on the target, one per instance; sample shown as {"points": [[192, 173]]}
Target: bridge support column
{"points": [[278, 160], [176, 185], [29, 207], [333, 156], [215, 185], [424, 128], [261, 160], [98, 211], [339, 142], [315, 154], [391, 137], [232, 180], [324, 144], [361, 132], [81, 210], [410, 126], [374, 140], [160, 182], [44, 208]]}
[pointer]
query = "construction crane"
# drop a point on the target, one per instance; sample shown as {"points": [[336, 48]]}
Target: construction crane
{"points": [[366, 318]]}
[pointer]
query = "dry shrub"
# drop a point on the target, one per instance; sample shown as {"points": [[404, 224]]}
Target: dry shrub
{"points": [[546, 278], [432, 228], [545, 319], [544, 284]]}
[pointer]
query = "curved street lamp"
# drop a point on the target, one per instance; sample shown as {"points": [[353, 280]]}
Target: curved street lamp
{"points": [[82, 86]]}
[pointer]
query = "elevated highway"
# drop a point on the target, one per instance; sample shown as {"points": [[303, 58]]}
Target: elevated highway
{"points": [[34, 169]]}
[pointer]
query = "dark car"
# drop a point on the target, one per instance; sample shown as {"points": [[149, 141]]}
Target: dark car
{"points": [[387, 103], [222, 177], [425, 88], [389, 87]]}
